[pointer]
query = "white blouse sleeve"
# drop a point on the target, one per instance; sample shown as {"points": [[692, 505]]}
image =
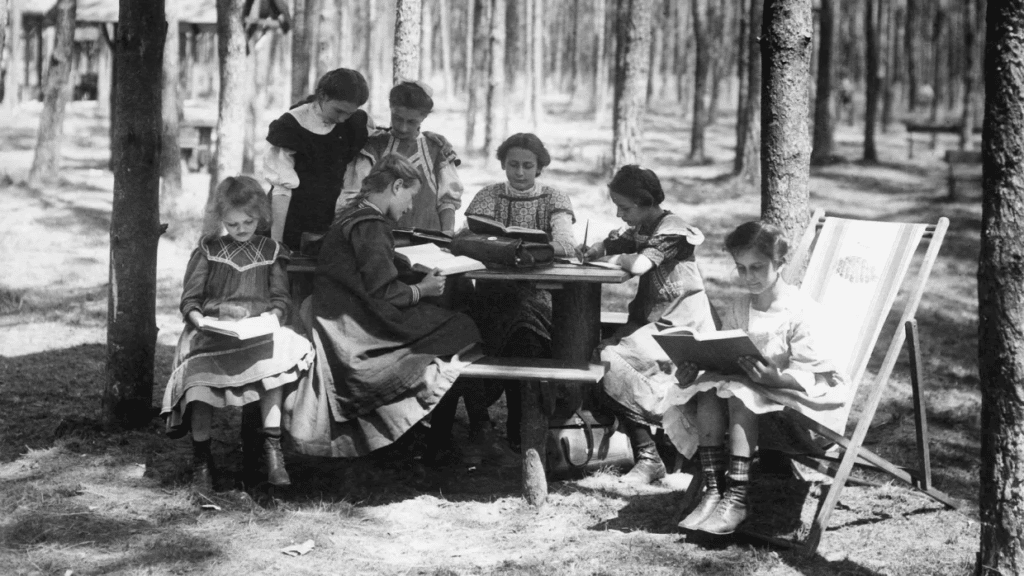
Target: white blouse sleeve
{"points": [[449, 188], [357, 169], [561, 232], [279, 168]]}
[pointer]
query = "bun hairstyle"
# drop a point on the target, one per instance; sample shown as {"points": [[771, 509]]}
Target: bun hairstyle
{"points": [[388, 169], [342, 84], [767, 239], [242, 193], [638, 184], [526, 141], [410, 94]]}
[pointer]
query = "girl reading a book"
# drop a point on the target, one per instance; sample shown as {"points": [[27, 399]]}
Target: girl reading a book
{"points": [[515, 318], [785, 326], [233, 277], [384, 356], [660, 247], [430, 153]]}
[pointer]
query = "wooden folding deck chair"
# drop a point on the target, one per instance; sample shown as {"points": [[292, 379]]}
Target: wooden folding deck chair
{"points": [[855, 270]]}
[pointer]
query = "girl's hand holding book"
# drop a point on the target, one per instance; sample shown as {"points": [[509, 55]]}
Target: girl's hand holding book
{"points": [[432, 284], [766, 374], [686, 373]]}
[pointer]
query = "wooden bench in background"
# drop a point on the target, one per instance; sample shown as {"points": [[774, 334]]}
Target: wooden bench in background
{"points": [[963, 165], [916, 127]]}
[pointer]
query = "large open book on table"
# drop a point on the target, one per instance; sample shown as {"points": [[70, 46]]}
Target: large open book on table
{"points": [[426, 257], [716, 351], [245, 328], [484, 225]]}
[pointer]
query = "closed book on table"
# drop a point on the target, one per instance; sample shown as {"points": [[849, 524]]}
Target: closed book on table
{"points": [[484, 225], [715, 351], [427, 257], [245, 328]]}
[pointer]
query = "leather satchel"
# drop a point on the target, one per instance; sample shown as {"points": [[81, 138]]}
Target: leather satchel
{"points": [[503, 252], [585, 442]]}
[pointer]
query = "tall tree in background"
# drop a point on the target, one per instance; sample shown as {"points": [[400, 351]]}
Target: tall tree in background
{"points": [[477, 32], [301, 48], [56, 95], [444, 13], [747, 165], [785, 143], [910, 54], [12, 80], [873, 84], [407, 40], [535, 62], [967, 118], [702, 62], [233, 102], [134, 220], [1001, 295], [600, 75], [823, 146], [170, 154], [495, 78], [426, 40], [631, 62], [5, 19]]}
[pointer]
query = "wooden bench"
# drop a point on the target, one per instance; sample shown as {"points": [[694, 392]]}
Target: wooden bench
{"points": [[964, 165], [535, 374], [933, 128], [195, 140]]}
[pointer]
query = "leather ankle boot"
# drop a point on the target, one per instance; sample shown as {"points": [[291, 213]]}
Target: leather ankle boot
{"points": [[648, 467], [728, 514], [276, 473], [708, 502], [202, 467]]}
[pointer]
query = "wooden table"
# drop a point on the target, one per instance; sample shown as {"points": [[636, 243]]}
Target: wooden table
{"points": [[575, 332]]}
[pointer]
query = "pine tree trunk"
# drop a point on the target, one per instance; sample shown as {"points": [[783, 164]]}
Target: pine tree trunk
{"points": [[742, 82], [495, 78], [406, 58], [600, 60], [823, 147], [537, 66], [1001, 295], [5, 19], [475, 62], [56, 95], [300, 50], [235, 83], [632, 59], [426, 40], [134, 220], [749, 150], [715, 24], [346, 28], [871, 108], [444, 13], [785, 145], [890, 67], [170, 154], [681, 55], [654, 61], [12, 81], [967, 119], [700, 80], [325, 34], [911, 56]]}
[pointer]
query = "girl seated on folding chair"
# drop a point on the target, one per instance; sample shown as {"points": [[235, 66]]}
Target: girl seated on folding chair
{"points": [[784, 324]]}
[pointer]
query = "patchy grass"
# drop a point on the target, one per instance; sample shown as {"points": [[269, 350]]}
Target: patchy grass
{"points": [[74, 496]]}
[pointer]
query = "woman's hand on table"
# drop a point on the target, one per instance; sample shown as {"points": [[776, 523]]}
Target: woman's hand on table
{"points": [[432, 284], [686, 373], [592, 252]]}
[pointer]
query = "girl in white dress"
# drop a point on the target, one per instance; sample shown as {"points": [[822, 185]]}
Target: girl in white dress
{"points": [[785, 325]]}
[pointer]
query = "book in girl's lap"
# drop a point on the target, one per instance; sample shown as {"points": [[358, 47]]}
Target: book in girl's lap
{"points": [[784, 324], [235, 276]]}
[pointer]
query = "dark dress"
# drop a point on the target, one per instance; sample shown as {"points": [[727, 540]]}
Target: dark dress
{"points": [[320, 161], [379, 368], [225, 278]]}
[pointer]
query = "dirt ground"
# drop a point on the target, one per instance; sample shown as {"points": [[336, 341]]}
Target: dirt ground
{"points": [[76, 498]]}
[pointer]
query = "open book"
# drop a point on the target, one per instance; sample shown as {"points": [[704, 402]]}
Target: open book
{"points": [[716, 351], [246, 328], [484, 225], [426, 257], [594, 263]]}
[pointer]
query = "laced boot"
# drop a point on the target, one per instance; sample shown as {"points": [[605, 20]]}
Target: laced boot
{"points": [[648, 468], [729, 513], [708, 501], [276, 473], [202, 467]]}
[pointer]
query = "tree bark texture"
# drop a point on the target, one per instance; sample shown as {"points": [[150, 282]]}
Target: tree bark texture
{"points": [[235, 83], [911, 56], [171, 113], [631, 69], [406, 58], [536, 111], [785, 142], [1001, 295], [5, 19], [134, 221], [56, 95], [748, 157], [12, 81], [967, 119], [495, 78], [476, 62], [300, 50], [600, 59], [823, 146], [873, 85], [426, 70], [702, 65]]}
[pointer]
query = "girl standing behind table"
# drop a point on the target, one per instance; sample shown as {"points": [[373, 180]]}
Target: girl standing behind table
{"points": [[311, 145], [430, 153], [515, 318], [234, 277], [381, 351], [660, 247], [785, 325]]}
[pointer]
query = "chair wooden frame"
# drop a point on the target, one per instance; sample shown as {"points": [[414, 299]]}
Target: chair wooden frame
{"points": [[853, 450]]}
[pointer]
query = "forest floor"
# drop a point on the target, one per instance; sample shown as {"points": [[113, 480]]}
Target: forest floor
{"points": [[76, 498]]}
